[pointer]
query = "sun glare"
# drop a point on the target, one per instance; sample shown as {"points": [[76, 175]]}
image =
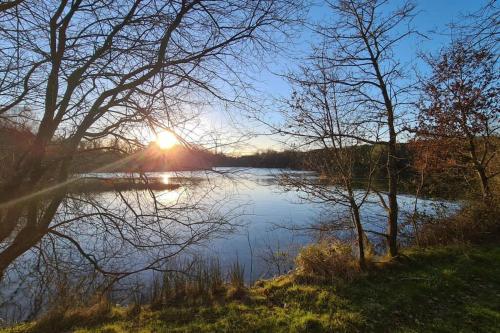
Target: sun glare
{"points": [[166, 140]]}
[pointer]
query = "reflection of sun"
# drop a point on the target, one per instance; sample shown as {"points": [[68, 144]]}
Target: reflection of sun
{"points": [[170, 197], [166, 140]]}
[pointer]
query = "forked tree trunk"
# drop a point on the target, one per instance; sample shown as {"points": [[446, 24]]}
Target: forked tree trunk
{"points": [[483, 180], [479, 167]]}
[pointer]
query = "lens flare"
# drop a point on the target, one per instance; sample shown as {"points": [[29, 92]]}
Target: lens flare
{"points": [[166, 140]]}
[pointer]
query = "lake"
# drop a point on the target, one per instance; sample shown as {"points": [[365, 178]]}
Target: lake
{"points": [[271, 223], [267, 226]]}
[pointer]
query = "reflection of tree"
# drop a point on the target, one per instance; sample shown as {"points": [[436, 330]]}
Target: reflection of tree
{"points": [[99, 240], [108, 71]]}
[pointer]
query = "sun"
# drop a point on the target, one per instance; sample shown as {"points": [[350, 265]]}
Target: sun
{"points": [[166, 140]]}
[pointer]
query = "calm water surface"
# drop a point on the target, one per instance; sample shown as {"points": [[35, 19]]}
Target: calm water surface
{"points": [[270, 220], [264, 240]]}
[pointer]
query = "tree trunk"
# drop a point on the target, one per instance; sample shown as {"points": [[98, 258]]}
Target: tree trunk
{"points": [[360, 232], [485, 188], [392, 172], [415, 208], [393, 201], [24, 241], [479, 167], [32, 232]]}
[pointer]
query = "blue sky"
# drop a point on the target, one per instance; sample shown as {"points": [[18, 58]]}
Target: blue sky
{"points": [[433, 16], [432, 20]]}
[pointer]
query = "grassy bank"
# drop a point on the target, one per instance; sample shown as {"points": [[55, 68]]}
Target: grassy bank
{"points": [[450, 289]]}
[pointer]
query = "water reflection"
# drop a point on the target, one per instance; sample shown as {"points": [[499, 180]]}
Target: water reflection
{"points": [[170, 197], [251, 199], [165, 178], [261, 208]]}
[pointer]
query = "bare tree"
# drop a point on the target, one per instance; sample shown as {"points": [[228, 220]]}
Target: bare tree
{"points": [[98, 69], [360, 44], [5, 5], [322, 115], [480, 29]]}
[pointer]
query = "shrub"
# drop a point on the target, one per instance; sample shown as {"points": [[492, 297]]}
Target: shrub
{"points": [[60, 319], [476, 222], [327, 260]]}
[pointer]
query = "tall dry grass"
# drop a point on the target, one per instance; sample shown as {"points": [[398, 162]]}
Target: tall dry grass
{"points": [[204, 282], [326, 261], [62, 319]]}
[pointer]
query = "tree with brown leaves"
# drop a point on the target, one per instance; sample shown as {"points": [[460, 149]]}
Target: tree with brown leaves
{"points": [[460, 108]]}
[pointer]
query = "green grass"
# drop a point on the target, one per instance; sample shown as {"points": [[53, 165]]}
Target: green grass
{"points": [[449, 289]]}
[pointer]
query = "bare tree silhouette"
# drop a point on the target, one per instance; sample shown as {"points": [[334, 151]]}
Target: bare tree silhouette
{"points": [[110, 70]]}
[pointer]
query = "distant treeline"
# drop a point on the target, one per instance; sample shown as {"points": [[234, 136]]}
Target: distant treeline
{"points": [[288, 159], [446, 183], [148, 160]]}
